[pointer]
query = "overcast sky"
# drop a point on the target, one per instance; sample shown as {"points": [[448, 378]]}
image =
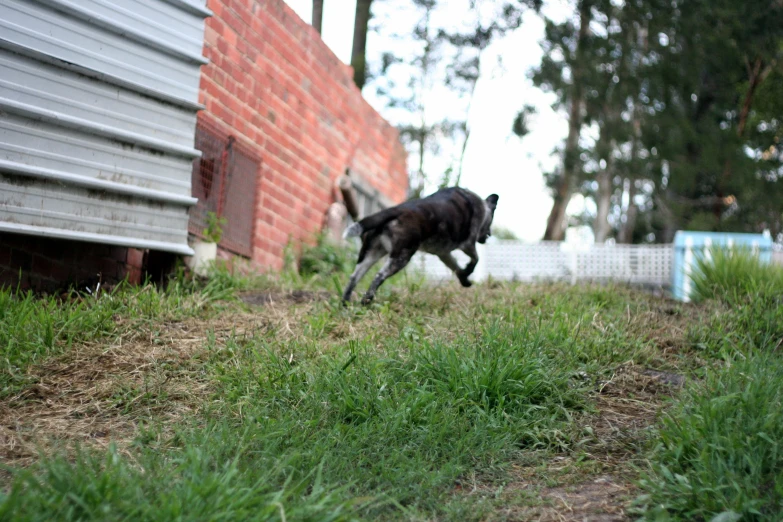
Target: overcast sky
{"points": [[496, 160]]}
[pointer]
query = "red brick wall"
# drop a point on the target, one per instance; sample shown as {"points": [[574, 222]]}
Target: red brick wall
{"points": [[274, 84], [48, 264]]}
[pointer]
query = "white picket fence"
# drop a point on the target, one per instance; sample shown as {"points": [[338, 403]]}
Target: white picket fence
{"points": [[555, 261]]}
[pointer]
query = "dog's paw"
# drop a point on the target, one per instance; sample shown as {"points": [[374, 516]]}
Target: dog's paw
{"points": [[463, 278], [367, 299], [464, 281]]}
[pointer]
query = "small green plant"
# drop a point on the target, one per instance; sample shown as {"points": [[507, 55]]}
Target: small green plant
{"points": [[214, 231], [325, 258]]}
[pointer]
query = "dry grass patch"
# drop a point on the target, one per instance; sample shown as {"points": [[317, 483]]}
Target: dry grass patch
{"points": [[100, 392]]}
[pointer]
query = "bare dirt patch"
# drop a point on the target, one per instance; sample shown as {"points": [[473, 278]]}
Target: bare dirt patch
{"points": [[628, 404], [272, 297], [601, 499]]}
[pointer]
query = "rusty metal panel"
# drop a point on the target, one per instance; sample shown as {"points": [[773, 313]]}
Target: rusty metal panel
{"points": [[225, 181], [98, 102]]}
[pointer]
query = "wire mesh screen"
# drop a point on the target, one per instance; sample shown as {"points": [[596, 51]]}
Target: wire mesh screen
{"points": [[225, 182]]}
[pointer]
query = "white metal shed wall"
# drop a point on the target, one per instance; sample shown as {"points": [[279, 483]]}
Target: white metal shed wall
{"points": [[98, 102]]}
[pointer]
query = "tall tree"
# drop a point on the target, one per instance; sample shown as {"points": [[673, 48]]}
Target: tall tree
{"points": [[359, 52], [562, 71], [405, 83], [717, 56], [679, 94], [485, 22], [437, 60]]}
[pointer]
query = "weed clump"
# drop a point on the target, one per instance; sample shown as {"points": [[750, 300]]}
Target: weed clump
{"points": [[325, 258]]}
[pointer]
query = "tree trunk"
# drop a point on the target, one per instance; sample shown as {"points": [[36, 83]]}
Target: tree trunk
{"points": [[667, 216], [625, 236], [603, 198], [462, 156], [466, 136], [601, 226], [358, 58], [555, 225], [756, 75], [318, 14], [422, 142], [424, 131]]}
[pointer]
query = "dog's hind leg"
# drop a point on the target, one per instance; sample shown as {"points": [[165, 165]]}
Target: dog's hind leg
{"points": [[367, 259], [396, 262]]}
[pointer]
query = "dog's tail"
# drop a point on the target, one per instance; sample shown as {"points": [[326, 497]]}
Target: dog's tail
{"points": [[372, 222], [354, 230]]}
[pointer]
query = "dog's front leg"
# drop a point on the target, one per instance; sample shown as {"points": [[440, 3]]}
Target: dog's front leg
{"points": [[464, 273], [449, 261]]}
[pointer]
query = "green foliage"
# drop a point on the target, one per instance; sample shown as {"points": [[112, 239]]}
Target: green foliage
{"points": [[325, 258], [685, 97], [319, 412], [32, 328], [520, 126], [719, 451], [390, 427], [752, 288], [503, 233], [214, 231], [377, 426], [208, 479], [731, 275]]}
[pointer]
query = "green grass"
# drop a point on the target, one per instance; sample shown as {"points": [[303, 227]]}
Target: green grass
{"points": [[319, 412], [396, 424], [721, 449], [732, 275], [33, 328], [201, 482], [720, 455], [433, 385]]}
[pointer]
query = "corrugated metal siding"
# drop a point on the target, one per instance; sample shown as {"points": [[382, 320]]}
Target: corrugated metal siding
{"points": [[98, 102]]}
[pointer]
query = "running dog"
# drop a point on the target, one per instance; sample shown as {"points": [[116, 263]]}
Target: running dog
{"points": [[450, 219]]}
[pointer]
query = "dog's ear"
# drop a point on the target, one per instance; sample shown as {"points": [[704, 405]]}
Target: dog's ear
{"points": [[492, 200]]}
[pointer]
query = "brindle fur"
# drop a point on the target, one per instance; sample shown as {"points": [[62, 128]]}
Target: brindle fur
{"points": [[450, 219]]}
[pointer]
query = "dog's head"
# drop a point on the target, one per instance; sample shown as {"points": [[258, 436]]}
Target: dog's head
{"points": [[490, 204]]}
